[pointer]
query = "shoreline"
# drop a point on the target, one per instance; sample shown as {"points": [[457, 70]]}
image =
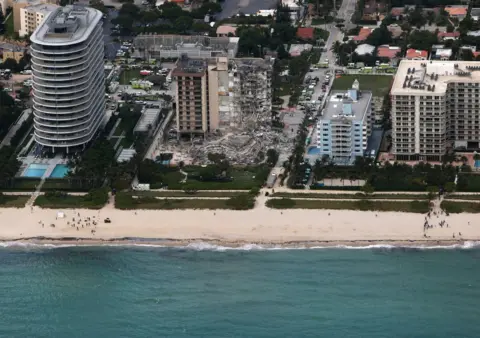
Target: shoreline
{"points": [[206, 244]]}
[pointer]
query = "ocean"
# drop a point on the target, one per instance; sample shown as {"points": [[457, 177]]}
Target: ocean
{"points": [[208, 291]]}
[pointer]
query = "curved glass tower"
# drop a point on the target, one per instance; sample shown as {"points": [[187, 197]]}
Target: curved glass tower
{"points": [[68, 77]]}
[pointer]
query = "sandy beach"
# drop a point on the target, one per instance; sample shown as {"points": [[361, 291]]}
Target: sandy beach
{"points": [[233, 228]]}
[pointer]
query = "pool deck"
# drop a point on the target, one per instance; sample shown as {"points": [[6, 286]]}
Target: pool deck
{"points": [[51, 162]]}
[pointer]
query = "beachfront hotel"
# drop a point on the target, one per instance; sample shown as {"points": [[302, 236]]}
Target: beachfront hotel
{"points": [[344, 127], [68, 78], [435, 109]]}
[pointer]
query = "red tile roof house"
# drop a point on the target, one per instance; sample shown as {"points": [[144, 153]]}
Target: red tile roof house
{"points": [[306, 33], [363, 34], [388, 52], [443, 36], [457, 11], [415, 54]]}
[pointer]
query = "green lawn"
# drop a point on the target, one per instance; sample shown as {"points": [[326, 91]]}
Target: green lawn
{"points": [[129, 74], [378, 84], [458, 207], [243, 179], [322, 21], [177, 193], [125, 201], [13, 201], [59, 200], [462, 197], [364, 205], [358, 195]]}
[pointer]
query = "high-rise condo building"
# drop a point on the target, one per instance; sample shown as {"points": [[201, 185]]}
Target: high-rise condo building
{"points": [[345, 125], [68, 77], [435, 109]]}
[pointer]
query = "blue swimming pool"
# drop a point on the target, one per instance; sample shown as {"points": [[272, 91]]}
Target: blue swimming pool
{"points": [[35, 170], [477, 164], [60, 171]]}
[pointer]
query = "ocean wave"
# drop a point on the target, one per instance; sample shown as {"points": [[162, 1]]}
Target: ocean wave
{"points": [[205, 246]]}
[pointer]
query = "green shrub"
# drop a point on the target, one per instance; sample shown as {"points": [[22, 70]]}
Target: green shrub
{"points": [[241, 202], [281, 203]]}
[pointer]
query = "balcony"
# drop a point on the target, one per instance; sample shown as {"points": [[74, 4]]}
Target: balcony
{"points": [[70, 80], [55, 116], [68, 97], [59, 129]]}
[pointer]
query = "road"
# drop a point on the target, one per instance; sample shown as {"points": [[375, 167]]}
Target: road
{"points": [[13, 129]]}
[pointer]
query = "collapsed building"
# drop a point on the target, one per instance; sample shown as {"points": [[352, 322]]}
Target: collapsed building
{"points": [[155, 46], [217, 96]]}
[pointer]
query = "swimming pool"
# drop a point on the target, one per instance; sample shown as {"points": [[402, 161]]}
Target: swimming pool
{"points": [[60, 171], [35, 170], [477, 164]]}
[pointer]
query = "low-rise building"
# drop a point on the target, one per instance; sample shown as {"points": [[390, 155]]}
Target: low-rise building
{"points": [[445, 36], [306, 33], [388, 52], [296, 9], [12, 51], [457, 11], [363, 34], [365, 49], [475, 14], [298, 49], [416, 54], [344, 127], [226, 30]]}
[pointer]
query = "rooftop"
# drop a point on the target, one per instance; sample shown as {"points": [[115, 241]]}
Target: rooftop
{"points": [[186, 65], [307, 33], [147, 119], [456, 10], [41, 8], [415, 53], [226, 29], [389, 52], [427, 77], [67, 25], [351, 104], [363, 34], [364, 49]]}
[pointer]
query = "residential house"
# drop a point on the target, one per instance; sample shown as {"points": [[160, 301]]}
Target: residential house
{"points": [[365, 49], [395, 30], [416, 54], [444, 36], [306, 33], [397, 12], [226, 30], [373, 10], [475, 14], [388, 52], [363, 34], [298, 49], [442, 54], [12, 51], [457, 11]]}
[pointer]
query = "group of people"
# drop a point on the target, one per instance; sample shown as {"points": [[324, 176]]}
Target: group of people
{"points": [[443, 223], [79, 222]]}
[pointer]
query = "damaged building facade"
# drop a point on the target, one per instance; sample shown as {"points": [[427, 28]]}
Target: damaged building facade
{"points": [[218, 95]]}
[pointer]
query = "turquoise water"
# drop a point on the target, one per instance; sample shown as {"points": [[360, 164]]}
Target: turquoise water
{"points": [[159, 292], [477, 164], [35, 170], [60, 171]]}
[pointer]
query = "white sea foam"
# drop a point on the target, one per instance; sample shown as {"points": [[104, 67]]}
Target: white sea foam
{"points": [[205, 246]]}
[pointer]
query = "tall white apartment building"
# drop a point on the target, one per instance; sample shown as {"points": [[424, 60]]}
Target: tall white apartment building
{"points": [[68, 78], [32, 16], [344, 128], [435, 109]]}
